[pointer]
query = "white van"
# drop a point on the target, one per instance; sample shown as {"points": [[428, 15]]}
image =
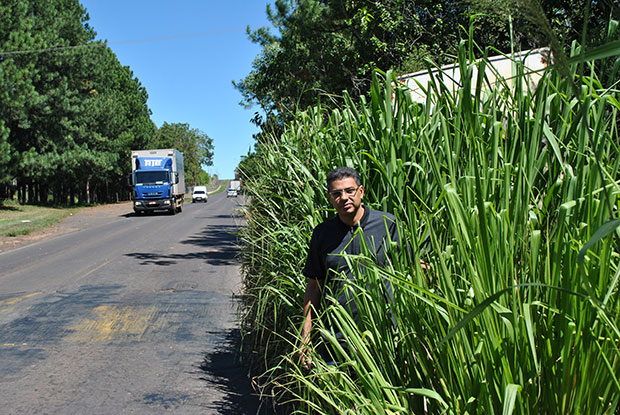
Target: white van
{"points": [[200, 194]]}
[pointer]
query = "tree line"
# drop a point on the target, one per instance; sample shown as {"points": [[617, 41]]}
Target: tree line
{"points": [[320, 48], [70, 112]]}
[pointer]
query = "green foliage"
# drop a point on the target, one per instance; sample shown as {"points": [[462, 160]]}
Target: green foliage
{"points": [[196, 146], [323, 47], [498, 190], [203, 178], [69, 112]]}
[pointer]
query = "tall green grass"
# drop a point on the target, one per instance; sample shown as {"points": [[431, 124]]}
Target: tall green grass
{"points": [[498, 191]]}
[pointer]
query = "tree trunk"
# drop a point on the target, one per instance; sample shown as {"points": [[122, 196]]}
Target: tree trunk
{"points": [[57, 194], [20, 194], [36, 193], [64, 195], [72, 195], [44, 194], [29, 193]]}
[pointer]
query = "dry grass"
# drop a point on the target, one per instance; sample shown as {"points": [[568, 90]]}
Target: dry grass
{"points": [[16, 219]]}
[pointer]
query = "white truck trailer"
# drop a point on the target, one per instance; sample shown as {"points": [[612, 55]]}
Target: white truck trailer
{"points": [[234, 188]]}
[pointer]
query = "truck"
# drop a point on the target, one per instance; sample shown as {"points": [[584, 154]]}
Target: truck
{"points": [[158, 179], [234, 188]]}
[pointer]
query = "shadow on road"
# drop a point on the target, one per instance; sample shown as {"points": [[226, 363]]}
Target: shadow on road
{"points": [[215, 236], [222, 370], [225, 216], [219, 241]]}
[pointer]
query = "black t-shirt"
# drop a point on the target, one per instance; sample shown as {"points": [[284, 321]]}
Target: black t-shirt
{"points": [[332, 238]]}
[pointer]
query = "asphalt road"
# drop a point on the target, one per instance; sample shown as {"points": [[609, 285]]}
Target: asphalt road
{"points": [[130, 315]]}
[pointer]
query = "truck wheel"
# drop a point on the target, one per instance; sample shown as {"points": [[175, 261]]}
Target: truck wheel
{"points": [[180, 209], [172, 210]]}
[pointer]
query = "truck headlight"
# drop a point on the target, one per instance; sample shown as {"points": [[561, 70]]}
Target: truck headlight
{"points": [[166, 202], [138, 204]]}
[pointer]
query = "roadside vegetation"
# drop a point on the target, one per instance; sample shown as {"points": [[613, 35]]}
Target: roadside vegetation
{"points": [[70, 112], [509, 194], [16, 219], [217, 186]]}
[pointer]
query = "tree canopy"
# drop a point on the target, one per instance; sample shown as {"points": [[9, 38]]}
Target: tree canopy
{"points": [[196, 146], [70, 112], [323, 47]]}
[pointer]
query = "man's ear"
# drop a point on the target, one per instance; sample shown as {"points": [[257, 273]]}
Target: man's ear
{"points": [[361, 190]]}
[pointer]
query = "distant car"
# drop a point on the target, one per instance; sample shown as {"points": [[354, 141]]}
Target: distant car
{"points": [[232, 193], [200, 194]]}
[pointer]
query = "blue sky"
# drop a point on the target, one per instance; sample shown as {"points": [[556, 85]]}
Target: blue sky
{"points": [[186, 53]]}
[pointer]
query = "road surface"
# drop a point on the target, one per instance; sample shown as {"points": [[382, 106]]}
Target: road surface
{"points": [[126, 315]]}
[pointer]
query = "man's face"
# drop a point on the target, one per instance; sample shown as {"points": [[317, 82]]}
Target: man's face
{"points": [[346, 196]]}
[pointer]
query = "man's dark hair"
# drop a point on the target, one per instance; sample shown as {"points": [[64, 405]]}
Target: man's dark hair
{"points": [[340, 173]]}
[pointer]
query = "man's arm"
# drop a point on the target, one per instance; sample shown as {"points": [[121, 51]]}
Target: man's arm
{"points": [[312, 298]]}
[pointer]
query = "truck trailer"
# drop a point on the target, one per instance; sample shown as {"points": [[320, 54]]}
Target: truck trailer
{"points": [[234, 188], [158, 179]]}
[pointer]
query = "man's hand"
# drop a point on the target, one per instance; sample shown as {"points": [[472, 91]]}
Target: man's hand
{"points": [[304, 355], [312, 297]]}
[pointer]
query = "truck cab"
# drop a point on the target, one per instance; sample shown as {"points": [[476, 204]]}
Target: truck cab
{"points": [[157, 183]]}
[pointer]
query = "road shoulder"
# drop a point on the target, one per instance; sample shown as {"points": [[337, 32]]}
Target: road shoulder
{"points": [[83, 219]]}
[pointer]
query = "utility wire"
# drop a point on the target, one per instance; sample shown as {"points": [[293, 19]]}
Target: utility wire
{"points": [[122, 42], [52, 49]]}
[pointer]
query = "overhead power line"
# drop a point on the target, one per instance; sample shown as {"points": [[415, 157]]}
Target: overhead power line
{"points": [[123, 42]]}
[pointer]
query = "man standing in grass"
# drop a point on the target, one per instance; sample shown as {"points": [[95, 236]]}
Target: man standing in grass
{"points": [[326, 267]]}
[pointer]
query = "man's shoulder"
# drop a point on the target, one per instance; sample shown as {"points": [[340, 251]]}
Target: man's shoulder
{"points": [[327, 225], [327, 232]]}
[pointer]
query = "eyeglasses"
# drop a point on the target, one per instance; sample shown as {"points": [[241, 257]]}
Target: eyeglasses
{"points": [[337, 194]]}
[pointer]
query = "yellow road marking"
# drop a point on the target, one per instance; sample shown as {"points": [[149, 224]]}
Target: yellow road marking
{"points": [[115, 323], [16, 300], [94, 269]]}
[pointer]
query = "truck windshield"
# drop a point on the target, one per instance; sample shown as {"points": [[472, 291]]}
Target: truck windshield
{"points": [[152, 177]]}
